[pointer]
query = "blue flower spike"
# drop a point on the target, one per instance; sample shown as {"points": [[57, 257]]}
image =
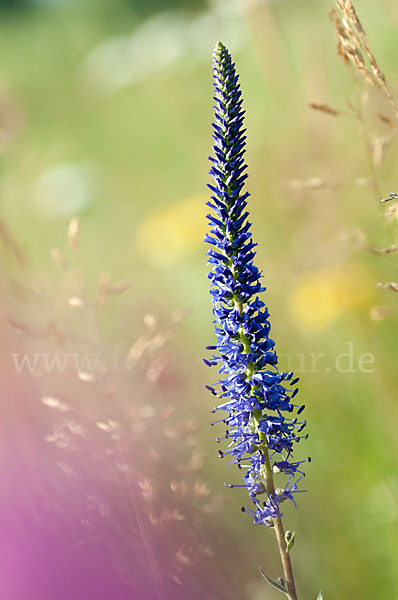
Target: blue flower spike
{"points": [[258, 403]]}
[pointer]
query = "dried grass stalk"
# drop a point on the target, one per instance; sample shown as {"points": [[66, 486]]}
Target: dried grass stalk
{"points": [[380, 145], [59, 258], [384, 119], [390, 285], [11, 244], [380, 313], [391, 196], [353, 47], [389, 250], [325, 108], [73, 233]]}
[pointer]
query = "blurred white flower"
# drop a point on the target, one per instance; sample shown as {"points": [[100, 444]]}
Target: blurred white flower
{"points": [[162, 40], [64, 190], [55, 403]]}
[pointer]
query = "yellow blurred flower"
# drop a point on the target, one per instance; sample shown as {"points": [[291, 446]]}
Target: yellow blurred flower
{"points": [[168, 234], [325, 295]]}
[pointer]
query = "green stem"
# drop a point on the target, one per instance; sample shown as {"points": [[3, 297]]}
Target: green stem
{"points": [[280, 532], [267, 472], [267, 469]]}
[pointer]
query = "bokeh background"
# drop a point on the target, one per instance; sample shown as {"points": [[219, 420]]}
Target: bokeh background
{"points": [[110, 481]]}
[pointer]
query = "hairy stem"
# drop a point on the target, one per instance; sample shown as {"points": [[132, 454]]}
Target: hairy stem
{"points": [[280, 533], [268, 474]]}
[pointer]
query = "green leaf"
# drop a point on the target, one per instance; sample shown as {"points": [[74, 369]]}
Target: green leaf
{"points": [[275, 584], [320, 596], [289, 539]]}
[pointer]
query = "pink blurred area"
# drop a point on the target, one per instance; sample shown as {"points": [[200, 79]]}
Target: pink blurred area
{"points": [[53, 542], [102, 492]]}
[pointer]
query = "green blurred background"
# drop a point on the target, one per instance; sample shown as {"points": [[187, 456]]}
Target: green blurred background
{"points": [[105, 112]]}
